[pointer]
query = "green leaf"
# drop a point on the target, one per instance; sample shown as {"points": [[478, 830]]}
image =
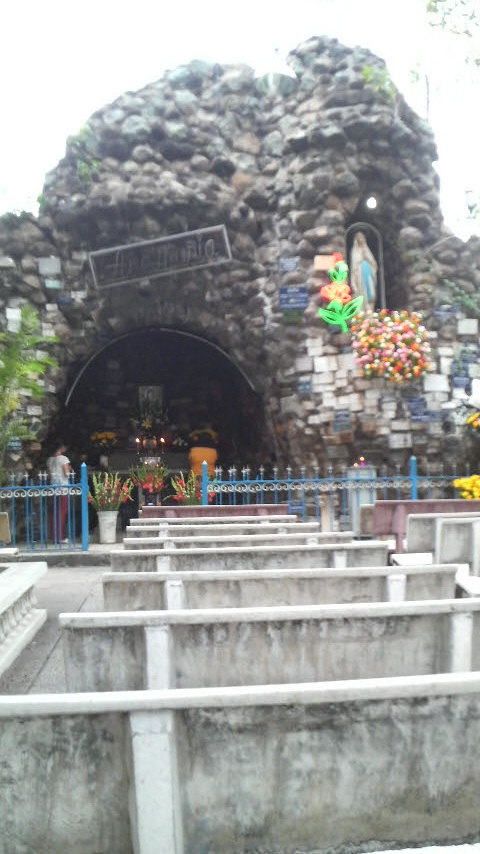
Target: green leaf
{"points": [[329, 316], [353, 307]]}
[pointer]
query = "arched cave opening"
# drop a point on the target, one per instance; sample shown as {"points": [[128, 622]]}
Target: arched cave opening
{"points": [[193, 382]]}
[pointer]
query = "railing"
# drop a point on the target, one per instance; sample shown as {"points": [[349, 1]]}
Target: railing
{"points": [[44, 516], [334, 500]]}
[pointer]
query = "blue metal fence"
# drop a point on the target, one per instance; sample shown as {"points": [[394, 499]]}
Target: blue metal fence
{"points": [[334, 500], [44, 516], [35, 509]]}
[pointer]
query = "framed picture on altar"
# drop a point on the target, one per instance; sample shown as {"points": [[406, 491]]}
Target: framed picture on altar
{"points": [[150, 397]]}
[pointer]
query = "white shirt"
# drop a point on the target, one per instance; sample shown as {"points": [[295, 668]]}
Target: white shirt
{"points": [[56, 469]]}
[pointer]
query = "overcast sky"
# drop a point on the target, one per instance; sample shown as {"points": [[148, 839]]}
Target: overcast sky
{"points": [[60, 61]]}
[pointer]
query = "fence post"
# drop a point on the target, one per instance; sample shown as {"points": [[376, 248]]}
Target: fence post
{"points": [[84, 501], [204, 482], [413, 476]]}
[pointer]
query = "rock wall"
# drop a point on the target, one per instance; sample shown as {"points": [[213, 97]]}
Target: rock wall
{"points": [[287, 165]]}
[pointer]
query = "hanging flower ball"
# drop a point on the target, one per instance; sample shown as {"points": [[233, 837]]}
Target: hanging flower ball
{"points": [[392, 344]]}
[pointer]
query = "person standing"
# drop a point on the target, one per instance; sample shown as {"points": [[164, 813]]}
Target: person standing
{"points": [[59, 469]]}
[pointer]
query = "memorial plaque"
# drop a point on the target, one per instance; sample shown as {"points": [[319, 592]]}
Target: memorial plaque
{"points": [[289, 265], [342, 421], [304, 386], [417, 407], [445, 313], [49, 266], [469, 356], [122, 265], [396, 441], [293, 297], [461, 381]]}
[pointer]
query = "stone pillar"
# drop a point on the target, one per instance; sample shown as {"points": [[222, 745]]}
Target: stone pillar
{"points": [[396, 585], [461, 626], [154, 800], [174, 595], [158, 658]]}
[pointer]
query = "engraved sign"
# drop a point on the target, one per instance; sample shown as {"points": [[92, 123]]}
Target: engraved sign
{"points": [[293, 297], [290, 264], [342, 422], [121, 265]]}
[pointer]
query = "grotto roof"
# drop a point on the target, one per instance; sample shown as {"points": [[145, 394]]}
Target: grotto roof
{"points": [[208, 142]]}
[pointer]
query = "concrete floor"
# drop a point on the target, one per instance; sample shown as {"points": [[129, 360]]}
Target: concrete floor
{"points": [[39, 669]]}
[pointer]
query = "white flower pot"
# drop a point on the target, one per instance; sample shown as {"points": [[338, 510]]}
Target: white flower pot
{"points": [[107, 526]]}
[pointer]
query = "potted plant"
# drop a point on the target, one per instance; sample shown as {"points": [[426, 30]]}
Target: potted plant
{"points": [[104, 442], [108, 492], [203, 443], [150, 478]]}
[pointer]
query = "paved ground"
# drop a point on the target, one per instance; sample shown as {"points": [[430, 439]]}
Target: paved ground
{"points": [[73, 582]]}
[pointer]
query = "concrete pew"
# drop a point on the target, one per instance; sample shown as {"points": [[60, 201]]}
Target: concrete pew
{"points": [[20, 619], [421, 529], [205, 511], [266, 768], [156, 528], [290, 538], [134, 591], [459, 538], [206, 521], [371, 553], [390, 517], [138, 650]]}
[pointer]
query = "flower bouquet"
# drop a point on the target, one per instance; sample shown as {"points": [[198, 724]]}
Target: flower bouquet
{"points": [[469, 487], [109, 491], [150, 477], [391, 344], [104, 441], [473, 424], [204, 437], [189, 491]]}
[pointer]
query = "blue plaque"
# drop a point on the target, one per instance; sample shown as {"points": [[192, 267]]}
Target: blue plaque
{"points": [[293, 297], [417, 404], [469, 357], [304, 387], [460, 381], [445, 313], [342, 421]]}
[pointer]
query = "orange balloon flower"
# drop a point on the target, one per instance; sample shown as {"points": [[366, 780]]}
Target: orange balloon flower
{"points": [[340, 292]]}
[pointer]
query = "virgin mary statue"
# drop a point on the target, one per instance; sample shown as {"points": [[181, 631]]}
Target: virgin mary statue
{"points": [[363, 271]]}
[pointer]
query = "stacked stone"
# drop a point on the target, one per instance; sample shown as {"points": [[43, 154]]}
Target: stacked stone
{"points": [[286, 164]]}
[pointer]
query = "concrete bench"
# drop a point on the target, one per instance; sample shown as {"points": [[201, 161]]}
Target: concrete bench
{"points": [[138, 650], [201, 511], [390, 517], [20, 619], [291, 538], [174, 522], [459, 540], [262, 525], [421, 529], [133, 591], [371, 553], [319, 767]]}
